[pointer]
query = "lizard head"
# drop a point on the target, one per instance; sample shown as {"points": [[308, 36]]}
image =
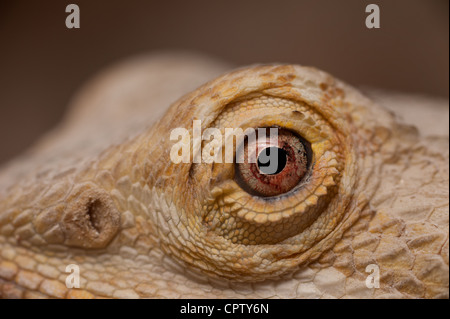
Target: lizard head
{"points": [[143, 218]]}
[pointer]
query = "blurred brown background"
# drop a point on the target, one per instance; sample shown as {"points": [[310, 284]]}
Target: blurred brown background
{"points": [[42, 63]]}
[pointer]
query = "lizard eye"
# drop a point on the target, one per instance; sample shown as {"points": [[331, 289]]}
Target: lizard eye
{"points": [[269, 204], [280, 163], [278, 184]]}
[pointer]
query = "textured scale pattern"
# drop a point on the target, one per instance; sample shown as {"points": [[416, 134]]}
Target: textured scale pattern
{"points": [[101, 192]]}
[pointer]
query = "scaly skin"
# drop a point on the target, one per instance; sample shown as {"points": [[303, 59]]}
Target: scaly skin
{"points": [[101, 192]]}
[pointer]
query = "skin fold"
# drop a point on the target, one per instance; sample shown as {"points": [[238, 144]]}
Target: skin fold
{"points": [[101, 192]]}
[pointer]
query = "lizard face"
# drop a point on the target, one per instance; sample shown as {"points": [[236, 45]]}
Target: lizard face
{"points": [[137, 224]]}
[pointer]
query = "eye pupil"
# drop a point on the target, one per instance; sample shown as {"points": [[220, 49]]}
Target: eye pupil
{"points": [[272, 160]]}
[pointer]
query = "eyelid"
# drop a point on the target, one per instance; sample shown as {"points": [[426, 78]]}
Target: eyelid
{"points": [[241, 211]]}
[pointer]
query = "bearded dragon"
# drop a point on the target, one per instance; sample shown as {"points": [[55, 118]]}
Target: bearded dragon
{"points": [[100, 192]]}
